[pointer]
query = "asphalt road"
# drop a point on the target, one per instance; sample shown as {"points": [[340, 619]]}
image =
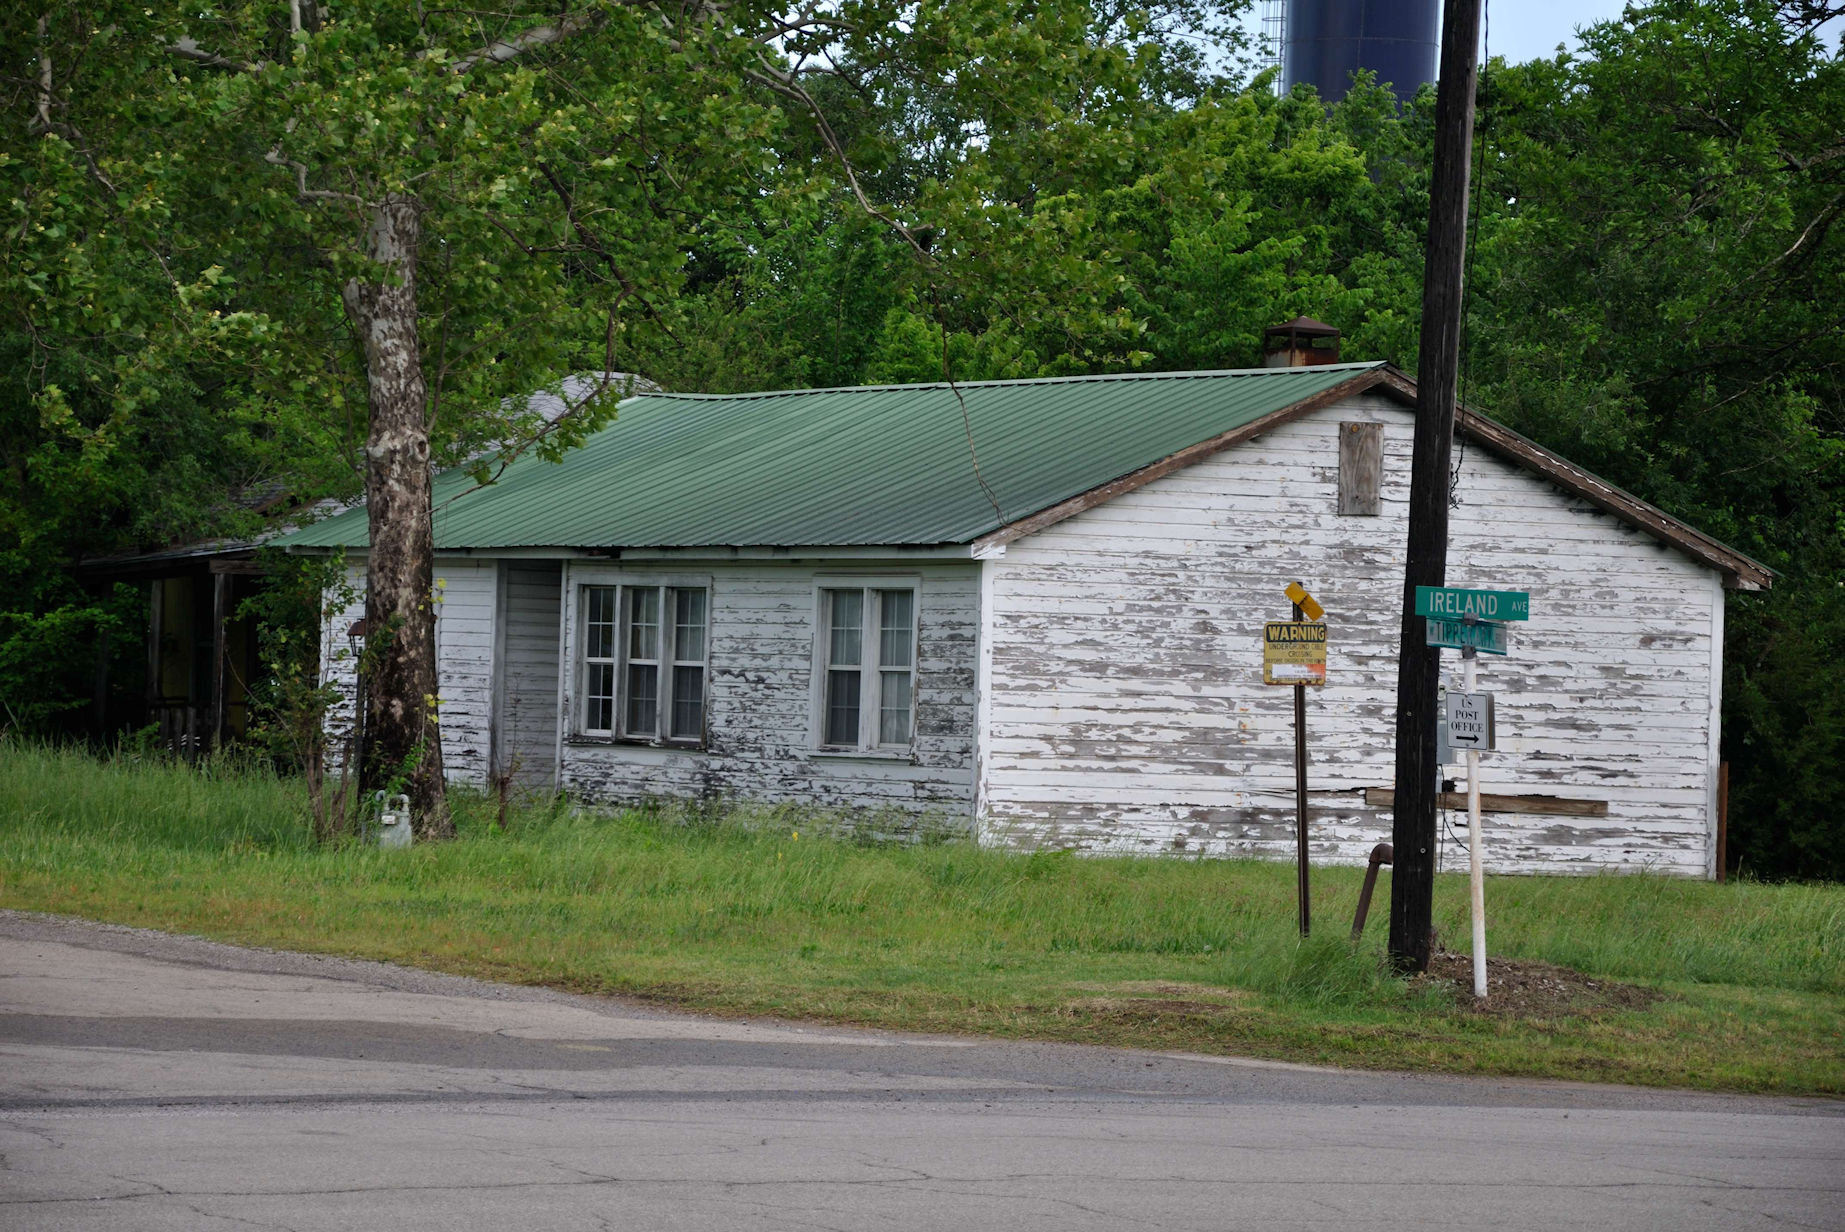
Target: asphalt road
{"points": [[156, 1082]]}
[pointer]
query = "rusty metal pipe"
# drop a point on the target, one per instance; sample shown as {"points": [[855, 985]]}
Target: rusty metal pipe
{"points": [[1380, 854]]}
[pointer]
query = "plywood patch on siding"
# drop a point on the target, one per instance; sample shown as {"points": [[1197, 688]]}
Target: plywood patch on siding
{"points": [[1361, 468]]}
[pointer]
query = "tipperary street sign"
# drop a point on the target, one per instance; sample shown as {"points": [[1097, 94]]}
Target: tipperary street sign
{"points": [[1455, 603], [1485, 636]]}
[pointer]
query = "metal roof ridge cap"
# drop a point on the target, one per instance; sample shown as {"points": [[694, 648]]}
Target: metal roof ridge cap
{"points": [[1354, 366]]}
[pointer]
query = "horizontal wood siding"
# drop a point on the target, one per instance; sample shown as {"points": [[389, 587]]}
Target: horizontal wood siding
{"points": [[526, 732], [344, 607], [759, 718], [465, 601], [1127, 710]]}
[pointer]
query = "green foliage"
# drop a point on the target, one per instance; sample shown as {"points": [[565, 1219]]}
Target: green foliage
{"points": [[1656, 296], [292, 705], [1048, 188], [48, 658]]}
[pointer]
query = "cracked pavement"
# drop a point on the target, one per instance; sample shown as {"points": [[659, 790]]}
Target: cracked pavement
{"points": [[156, 1082]]}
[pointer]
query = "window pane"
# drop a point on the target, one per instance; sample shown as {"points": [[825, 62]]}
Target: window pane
{"points": [[896, 609], [644, 623], [842, 707], [847, 629], [894, 709], [599, 697], [688, 703], [643, 699], [599, 622], [688, 626]]}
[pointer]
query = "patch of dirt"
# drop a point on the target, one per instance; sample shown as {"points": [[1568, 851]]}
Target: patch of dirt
{"points": [[1208, 1005], [1516, 988], [1171, 990]]}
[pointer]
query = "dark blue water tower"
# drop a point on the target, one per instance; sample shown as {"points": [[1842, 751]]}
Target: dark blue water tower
{"points": [[1329, 40]]}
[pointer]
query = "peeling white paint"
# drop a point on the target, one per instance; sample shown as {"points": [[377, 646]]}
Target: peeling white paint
{"points": [[759, 725], [1127, 711], [1097, 685]]}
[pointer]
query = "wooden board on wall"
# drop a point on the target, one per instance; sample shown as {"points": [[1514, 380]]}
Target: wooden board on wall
{"points": [[1361, 468], [1559, 806]]}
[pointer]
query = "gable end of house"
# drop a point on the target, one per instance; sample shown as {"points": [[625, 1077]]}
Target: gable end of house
{"points": [[1739, 572]]}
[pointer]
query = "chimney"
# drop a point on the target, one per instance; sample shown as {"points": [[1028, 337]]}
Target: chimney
{"points": [[1300, 343]]}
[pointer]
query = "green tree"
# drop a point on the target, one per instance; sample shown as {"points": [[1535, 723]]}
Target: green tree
{"points": [[1656, 294], [399, 220]]}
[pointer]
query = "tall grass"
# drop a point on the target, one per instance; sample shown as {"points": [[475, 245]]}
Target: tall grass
{"points": [[66, 793], [697, 890], [1667, 929]]}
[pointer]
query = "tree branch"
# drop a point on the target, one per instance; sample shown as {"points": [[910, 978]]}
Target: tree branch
{"points": [[592, 242], [501, 50], [276, 158], [787, 85], [187, 48], [513, 452], [43, 121]]}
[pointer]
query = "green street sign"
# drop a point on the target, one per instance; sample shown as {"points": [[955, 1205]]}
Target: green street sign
{"points": [[1485, 636], [1455, 603]]}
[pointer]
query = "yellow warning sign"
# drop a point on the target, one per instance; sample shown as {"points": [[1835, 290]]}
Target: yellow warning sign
{"points": [[1294, 652]]}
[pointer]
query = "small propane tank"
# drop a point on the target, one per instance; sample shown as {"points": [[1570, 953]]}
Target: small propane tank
{"points": [[394, 822]]}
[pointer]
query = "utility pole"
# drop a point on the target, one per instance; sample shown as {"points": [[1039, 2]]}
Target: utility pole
{"points": [[1412, 881]]}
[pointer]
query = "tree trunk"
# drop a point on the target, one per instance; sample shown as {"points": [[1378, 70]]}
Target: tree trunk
{"points": [[399, 750]]}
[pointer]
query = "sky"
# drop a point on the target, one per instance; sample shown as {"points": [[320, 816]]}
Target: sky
{"points": [[1523, 30]]}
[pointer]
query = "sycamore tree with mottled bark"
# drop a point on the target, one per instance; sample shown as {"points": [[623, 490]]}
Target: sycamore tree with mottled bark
{"points": [[377, 226]]}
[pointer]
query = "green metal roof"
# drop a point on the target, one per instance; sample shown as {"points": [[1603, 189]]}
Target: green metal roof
{"points": [[878, 465]]}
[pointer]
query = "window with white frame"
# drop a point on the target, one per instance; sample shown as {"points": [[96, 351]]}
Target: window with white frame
{"points": [[643, 665], [868, 668]]}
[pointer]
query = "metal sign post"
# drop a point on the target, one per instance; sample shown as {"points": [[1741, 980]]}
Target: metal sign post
{"points": [[1300, 800], [1294, 653]]}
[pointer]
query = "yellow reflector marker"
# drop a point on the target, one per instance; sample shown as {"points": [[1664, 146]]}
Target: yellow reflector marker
{"points": [[1309, 607]]}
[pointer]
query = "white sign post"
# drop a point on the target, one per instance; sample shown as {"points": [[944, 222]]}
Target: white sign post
{"points": [[1475, 869], [1455, 617]]}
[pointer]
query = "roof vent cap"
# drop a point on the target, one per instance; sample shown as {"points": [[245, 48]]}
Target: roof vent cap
{"points": [[1300, 343]]}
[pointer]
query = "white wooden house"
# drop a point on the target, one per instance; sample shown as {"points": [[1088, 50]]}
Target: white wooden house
{"points": [[1038, 605]]}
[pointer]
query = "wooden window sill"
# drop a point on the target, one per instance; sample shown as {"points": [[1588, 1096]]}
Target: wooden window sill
{"points": [[624, 742]]}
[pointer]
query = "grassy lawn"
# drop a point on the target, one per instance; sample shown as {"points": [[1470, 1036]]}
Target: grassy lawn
{"points": [[762, 913]]}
